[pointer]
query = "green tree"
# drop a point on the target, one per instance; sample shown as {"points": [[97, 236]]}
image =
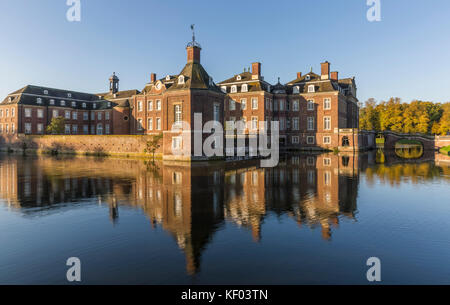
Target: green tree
{"points": [[56, 125], [153, 145]]}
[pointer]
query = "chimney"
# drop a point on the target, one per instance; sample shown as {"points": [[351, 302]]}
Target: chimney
{"points": [[153, 77], [193, 54], [325, 70], [256, 70], [335, 75], [299, 74]]}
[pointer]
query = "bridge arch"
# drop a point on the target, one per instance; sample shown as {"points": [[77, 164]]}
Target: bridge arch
{"points": [[391, 138]]}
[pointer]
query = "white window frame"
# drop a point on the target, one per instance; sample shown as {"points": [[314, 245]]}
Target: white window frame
{"points": [[327, 121], [28, 112], [326, 140], [255, 105], [327, 103], [244, 88], [310, 123], [158, 123], [28, 129], [310, 106], [232, 105], [158, 105], [233, 89], [243, 103], [150, 123], [310, 140], [311, 89]]}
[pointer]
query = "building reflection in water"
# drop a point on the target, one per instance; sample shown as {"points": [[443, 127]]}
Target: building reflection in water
{"points": [[190, 202]]}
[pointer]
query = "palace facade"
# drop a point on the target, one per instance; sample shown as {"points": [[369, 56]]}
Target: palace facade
{"points": [[314, 111]]}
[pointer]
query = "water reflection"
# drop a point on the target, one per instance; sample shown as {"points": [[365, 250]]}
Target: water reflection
{"points": [[193, 202]]}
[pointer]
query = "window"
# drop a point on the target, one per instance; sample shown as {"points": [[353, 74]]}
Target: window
{"points": [[92, 116], [74, 129], [92, 129], [345, 141], [243, 103], [327, 123], [27, 112], [6, 128], [326, 161], [84, 105], [1, 128], [13, 128], [181, 80], [308, 77], [67, 128], [86, 129], [177, 114], [217, 112], [238, 77], [295, 125], [109, 104], [107, 115], [254, 122], [74, 104], [224, 89], [310, 123], [1, 113], [99, 129], [244, 88], [254, 103], [40, 113], [94, 106], [311, 89], [310, 105], [67, 114], [295, 140], [310, 140], [327, 140], [281, 105], [282, 123], [52, 102], [158, 123], [327, 104], [233, 89], [45, 92], [55, 113], [107, 131], [74, 115], [40, 128], [295, 106], [99, 116], [150, 124], [232, 105], [150, 106], [28, 128], [296, 90], [39, 100], [158, 105], [85, 116], [63, 103], [140, 106], [176, 143], [139, 126], [69, 94]]}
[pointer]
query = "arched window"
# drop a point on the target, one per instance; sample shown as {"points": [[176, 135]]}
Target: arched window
{"points": [[296, 90], [244, 88], [181, 80], [345, 141], [233, 89]]}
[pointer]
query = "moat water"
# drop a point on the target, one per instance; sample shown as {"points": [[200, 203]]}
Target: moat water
{"points": [[314, 219]]}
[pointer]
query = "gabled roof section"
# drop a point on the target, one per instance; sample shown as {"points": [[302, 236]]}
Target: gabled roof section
{"points": [[312, 77], [195, 77], [119, 95], [245, 76]]}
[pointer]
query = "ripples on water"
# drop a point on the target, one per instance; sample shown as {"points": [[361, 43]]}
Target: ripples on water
{"points": [[313, 219]]}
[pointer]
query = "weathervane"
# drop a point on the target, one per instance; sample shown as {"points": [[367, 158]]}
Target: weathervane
{"points": [[193, 43]]}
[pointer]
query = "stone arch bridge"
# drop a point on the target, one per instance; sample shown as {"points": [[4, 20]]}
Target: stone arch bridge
{"points": [[428, 142]]}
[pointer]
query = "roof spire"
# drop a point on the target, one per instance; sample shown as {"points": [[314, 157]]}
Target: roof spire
{"points": [[193, 43], [278, 79]]}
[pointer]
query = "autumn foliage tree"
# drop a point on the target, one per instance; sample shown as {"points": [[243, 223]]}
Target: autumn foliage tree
{"points": [[415, 117]]}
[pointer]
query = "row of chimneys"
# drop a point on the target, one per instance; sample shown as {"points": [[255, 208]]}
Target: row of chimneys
{"points": [[193, 55]]}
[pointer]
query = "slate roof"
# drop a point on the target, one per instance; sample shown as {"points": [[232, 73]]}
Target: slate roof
{"points": [[44, 96], [246, 77]]}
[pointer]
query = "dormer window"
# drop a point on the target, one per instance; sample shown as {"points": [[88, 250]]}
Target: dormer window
{"points": [[224, 89], [94, 105], [74, 104], [233, 89], [45, 92], [10, 99], [109, 104], [268, 88], [238, 77], [63, 103], [181, 80], [296, 90], [311, 89], [84, 105], [168, 77], [308, 77], [244, 88], [69, 95], [52, 102], [39, 100]]}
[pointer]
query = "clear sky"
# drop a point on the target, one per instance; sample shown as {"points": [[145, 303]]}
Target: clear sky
{"points": [[406, 54]]}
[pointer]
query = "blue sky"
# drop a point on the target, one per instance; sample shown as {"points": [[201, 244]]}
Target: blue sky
{"points": [[405, 55]]}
